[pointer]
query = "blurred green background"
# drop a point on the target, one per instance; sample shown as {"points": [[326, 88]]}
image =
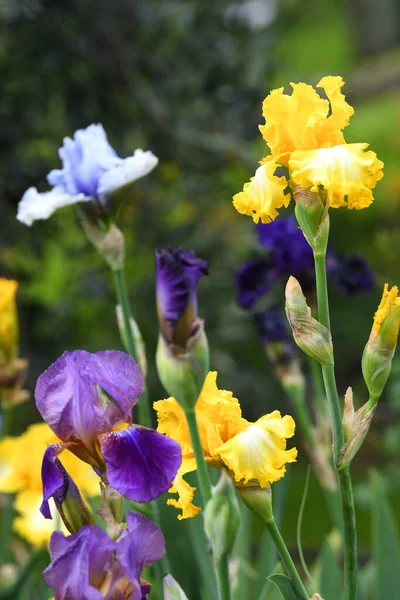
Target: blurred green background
{"points": [[186, 78]]}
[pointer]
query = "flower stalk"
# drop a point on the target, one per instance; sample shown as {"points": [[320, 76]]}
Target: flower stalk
{"points": [[344, 478]]}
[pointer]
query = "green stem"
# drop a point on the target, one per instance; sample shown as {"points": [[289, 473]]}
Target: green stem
{"points": [[202, 472], [285, 557], [222, 570], [344, 479], [372, 400], [144, 415]]}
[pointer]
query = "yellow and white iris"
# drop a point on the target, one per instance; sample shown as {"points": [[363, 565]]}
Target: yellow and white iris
{"points": [[249, 452]]}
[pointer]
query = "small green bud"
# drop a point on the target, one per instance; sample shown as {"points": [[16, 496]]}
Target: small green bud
{"points": [[108, 240], [355, 427], [73, 509], [308, 333], [183, 374], [222, 517], [172, 590], [312, 215], [258, 500]]}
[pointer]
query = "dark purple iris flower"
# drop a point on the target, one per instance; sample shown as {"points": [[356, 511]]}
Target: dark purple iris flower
{"points": [[178, 271], [352, 274], [291, 252], [84, 397], [253, 279], [89, 565], [273, 333]]}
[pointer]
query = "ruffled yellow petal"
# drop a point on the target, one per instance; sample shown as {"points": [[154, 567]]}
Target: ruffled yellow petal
{"points": [[291, 121], [263, 194], [218, 415], [184, 491], [345, 171], [259, 453], [329, 132], [389, 300], [304, 120], [31, 524]]}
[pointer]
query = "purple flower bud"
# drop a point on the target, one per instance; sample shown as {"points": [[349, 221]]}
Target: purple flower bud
{"points": [[88, 565], [178, 271]]}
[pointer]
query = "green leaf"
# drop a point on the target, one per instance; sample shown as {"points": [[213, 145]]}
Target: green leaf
{"points": [[287, 589], [331, 587], [386, 545]]}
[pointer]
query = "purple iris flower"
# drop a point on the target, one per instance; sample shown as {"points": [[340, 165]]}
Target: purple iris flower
{"points": [[89, 565], [352, 274], [178, 271], [253, 279], [91, 171], [290, 250], [273, 333], [84, 397]]}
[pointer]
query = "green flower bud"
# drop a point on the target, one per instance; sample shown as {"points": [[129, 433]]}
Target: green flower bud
{"points": [[222, 518], [355, 427], [183, 374], [308, 333], [172, 590], [381, 346], [312, 215], [73, 509]]}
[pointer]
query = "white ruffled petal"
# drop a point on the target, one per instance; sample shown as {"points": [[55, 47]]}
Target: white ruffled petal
{"points": [[132, 168], [35, 205]]}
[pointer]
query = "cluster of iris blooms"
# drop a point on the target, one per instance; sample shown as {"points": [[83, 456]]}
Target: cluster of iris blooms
{"points": [[86, 399]]}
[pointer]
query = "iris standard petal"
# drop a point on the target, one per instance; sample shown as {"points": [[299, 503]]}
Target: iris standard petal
{"points": [[70, 401], [35, 205], [140, 463], [126, 172], [140, 546], [346, 171], [79, 564], [263, 194]]}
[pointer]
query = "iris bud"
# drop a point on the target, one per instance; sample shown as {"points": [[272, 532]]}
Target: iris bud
{"points": [[312, 215], [355, 427], [73, 509], [381, 346], [222, 518], [172, 590], [309, 334]]}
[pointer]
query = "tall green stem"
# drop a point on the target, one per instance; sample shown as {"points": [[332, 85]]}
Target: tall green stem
{"points": [[344, 479], [143, 406], [285, 556], [202, 473], [222, 570]]}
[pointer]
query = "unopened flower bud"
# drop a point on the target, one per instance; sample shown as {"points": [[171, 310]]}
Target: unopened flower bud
{"points": [[172, 590], [222, 518], [258, 500], [182, 352], [312, 215], [355, 426], [381, 346], [108, 240], [74, 510], [309, 334]]}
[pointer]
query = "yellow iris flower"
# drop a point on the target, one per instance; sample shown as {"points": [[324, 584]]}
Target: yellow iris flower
{"points": [[304, 132], [20, 474], [8, 319], [249, 452]]}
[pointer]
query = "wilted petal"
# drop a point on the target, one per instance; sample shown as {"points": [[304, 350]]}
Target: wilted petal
{"points": [[140, 463], [79, 563], [35, 205], [140, 546], [127, 171]]}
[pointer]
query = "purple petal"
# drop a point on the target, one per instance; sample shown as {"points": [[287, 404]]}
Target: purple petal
{"points": [[80, 563], [178, 271], [54, 477], [140, 463], [67, 394], [140, 546], [254, 279]]}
